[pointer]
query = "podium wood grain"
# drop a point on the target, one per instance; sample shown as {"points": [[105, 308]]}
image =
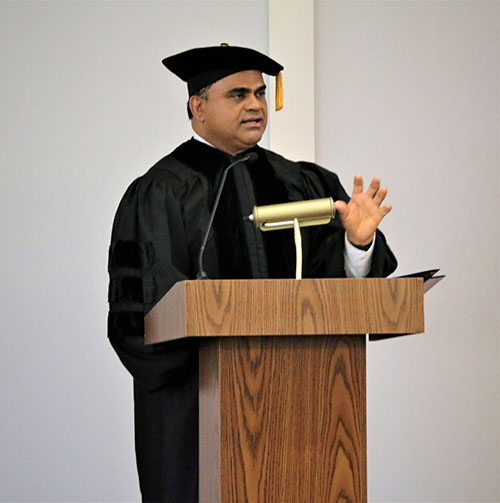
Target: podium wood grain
{"points": [[220, 308], [292, 420], [283, 404]]}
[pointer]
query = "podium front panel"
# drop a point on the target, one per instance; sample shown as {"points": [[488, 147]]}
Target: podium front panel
{"points": [[283, 420]]}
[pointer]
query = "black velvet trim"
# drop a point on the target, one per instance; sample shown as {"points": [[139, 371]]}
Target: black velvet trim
{"points": [[149, 289], [131, 254], [132, 289], [280, 249], [232, 252], [125, 324], [125, 289]]}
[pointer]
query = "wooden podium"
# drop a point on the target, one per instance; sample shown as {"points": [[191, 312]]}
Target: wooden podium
{"points": [[283, 380]]}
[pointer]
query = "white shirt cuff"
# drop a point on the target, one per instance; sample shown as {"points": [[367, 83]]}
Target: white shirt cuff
{"points": [[357, 263]]}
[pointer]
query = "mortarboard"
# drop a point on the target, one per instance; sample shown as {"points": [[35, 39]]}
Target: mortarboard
{"points": [[203, 66]]}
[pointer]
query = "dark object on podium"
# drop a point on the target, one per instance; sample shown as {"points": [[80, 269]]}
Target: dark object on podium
{"points": [[283, 380], [429, 277]]}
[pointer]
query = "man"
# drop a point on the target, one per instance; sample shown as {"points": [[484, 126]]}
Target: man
{"points": [[158, 231]]}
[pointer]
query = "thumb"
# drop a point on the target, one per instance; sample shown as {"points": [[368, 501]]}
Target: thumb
{"points": [[341, 207]]}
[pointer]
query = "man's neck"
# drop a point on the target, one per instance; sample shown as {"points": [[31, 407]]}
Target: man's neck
{"points": [[196, 136]]}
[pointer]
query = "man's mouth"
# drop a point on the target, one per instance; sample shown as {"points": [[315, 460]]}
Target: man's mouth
{"points": [[252, 122]]}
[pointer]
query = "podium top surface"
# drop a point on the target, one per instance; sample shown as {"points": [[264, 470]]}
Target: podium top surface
{"points": [[287, 307]]}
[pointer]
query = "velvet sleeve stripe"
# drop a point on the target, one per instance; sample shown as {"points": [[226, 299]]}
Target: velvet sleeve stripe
{"points": [[131, 254], [125, 323], [132, 289], [126, 289]]}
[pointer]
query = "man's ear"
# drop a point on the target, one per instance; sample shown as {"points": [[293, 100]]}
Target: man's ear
{"points": [[197, 106]]}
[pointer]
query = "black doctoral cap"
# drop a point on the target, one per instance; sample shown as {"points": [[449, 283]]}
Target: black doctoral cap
{"points": [[203, 66]]}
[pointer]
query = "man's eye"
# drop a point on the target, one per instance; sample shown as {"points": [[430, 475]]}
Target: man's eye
{"points": [[238, 96]]}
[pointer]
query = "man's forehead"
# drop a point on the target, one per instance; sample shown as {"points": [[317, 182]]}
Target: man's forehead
{"points": [[250, 79]]}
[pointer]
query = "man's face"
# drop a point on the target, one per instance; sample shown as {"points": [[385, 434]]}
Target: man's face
{"points": [[234, 116]]}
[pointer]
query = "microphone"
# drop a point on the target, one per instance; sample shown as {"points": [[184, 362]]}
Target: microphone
{"points": [[250, 157]]}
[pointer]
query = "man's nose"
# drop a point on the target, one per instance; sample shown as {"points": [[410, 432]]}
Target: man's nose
{"points": [[254, 103]]}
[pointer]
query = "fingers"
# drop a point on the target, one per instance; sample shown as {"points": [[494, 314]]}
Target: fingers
{"points": [[380, 195], [374, 187], [385, 209], [375, 191], [358, 185]]}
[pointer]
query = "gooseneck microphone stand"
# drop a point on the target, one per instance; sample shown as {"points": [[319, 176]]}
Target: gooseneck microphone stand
{"points": [[250, 157]]}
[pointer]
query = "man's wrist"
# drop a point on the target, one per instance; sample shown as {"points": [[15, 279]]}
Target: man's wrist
{"points": [[361, 246]]}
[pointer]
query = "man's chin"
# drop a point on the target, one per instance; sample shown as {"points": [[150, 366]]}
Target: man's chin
{"points": [[252, 138]]}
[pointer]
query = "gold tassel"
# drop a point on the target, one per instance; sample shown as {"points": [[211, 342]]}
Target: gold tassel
{"points": [[279, 92]]}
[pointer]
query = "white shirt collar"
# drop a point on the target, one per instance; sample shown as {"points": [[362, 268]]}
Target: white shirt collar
{"points": [[196, 136]]}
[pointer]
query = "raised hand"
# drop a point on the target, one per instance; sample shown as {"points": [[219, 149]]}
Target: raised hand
{"points": [[363, 214]]}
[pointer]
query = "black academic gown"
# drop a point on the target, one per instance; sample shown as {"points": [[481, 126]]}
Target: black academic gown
{"points": [[156, 238]]}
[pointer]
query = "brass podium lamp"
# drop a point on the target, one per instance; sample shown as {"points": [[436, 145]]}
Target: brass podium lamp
{"points": [[294, 215]]}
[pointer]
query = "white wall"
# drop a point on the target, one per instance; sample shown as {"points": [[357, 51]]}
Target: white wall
{"points": [[86, 106], [409, 91]]}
